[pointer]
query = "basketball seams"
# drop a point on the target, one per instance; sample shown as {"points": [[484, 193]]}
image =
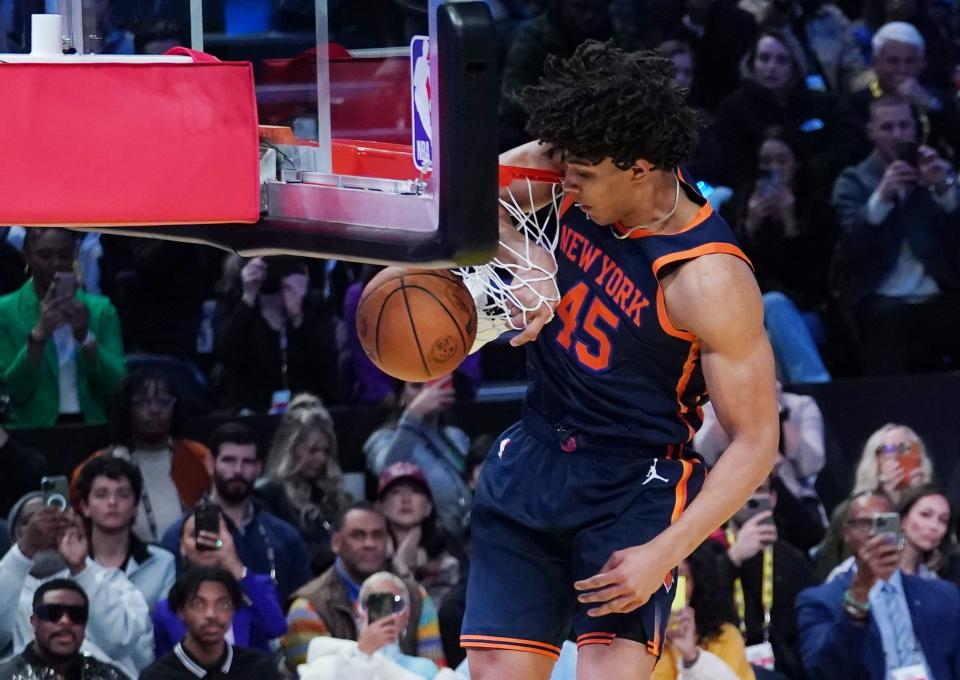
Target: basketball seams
{"points": [[386, 331], [443, 306], [413, 326]]}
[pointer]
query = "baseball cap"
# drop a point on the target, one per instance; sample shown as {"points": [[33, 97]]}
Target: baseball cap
{"points": [[402, 472]]}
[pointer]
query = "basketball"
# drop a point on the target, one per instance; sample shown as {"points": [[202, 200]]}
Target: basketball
{"points": [[416, 324]]}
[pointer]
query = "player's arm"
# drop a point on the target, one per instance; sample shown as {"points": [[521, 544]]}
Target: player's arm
{"points": [[530, 197], [716, 298]]}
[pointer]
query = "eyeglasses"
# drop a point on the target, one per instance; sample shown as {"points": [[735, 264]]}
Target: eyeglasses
{"points": [[54, 612], [163, 403], [901, 448]]}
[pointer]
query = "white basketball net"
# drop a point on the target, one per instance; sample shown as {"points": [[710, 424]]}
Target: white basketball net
{"points": [[495, 285]]}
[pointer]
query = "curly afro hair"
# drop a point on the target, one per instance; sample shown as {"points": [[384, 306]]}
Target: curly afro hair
{"points": [[605, 102]]}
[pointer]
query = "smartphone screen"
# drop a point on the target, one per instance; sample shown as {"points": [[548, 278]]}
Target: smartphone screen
{"points": [[65, 285], [380, 605], [886, 523], [206, 518], [907, 152], [55, 492]]}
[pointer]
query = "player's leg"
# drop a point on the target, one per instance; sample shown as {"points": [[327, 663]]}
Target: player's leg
{"points": [[520, 595], [627, 645], [503, 664], [621, 659]]}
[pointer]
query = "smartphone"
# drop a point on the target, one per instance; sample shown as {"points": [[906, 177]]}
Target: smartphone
{"points": [[753, 507], [680, 594], [206, 517], [55, 492], [768, 183], [909, 461], [907, 152], [64, 285], [381, 605], [886, 523]]}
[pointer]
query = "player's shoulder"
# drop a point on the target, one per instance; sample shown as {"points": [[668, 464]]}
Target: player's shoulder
{"points": [[709, 293]]}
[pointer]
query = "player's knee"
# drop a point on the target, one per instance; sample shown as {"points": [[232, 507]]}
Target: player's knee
{"points": [[502, 664], [621, 660]]}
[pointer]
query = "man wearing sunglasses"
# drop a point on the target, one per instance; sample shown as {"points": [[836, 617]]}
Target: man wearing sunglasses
{"points": [[60, 610]]}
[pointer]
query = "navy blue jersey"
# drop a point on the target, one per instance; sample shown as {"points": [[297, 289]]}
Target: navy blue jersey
{"points": [[611, 370]]}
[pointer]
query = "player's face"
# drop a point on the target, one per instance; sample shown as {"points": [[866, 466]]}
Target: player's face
{"points": [[772, 63], [600, 189], [894, 62]]}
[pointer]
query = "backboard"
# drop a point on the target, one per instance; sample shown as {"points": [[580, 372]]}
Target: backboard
{"points": [[379, 120]]}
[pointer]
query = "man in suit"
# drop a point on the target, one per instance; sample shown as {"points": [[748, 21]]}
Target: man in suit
{"points": [[874, 622]]}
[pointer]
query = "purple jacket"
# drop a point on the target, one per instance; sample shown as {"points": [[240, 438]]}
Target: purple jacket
{"points": [[254, 624]]}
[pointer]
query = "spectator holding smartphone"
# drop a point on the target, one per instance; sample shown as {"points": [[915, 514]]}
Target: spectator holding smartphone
{"points": [[276, 337], [764, 573], [874, 621], [419, 433], [788, 229], [384, 615], [897, 262], [53, 544], [256, 622], [264, 542], [894, 459], [61, 353]]}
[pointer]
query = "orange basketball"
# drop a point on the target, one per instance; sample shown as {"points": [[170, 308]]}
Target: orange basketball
{"points": [[416, 324]]}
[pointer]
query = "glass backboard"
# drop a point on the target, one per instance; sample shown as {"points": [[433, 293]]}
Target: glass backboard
{"points": [[378, 137]]}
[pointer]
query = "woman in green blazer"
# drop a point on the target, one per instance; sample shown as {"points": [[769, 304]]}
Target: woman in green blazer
{"points": [[61, 353]]}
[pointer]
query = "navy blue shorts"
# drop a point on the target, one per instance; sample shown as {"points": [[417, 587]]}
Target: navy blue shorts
{"points": [[544, 518]]}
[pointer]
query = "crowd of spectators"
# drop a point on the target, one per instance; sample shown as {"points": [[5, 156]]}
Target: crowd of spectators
{"points": [[829, 142]]}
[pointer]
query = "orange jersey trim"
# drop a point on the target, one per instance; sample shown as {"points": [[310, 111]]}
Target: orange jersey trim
{"points": [[680, 501], [704, 249], [701, 216], [565, 205], [511, 644]]}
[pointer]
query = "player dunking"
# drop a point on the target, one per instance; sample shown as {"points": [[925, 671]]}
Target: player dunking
{"points": [[658, 306]]}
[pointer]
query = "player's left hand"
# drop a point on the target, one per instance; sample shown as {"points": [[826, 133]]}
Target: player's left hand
{"points": [[625, 582]]}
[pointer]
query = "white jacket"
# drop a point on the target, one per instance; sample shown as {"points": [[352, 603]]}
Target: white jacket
{"points": [[335, 659], [119, 624]]}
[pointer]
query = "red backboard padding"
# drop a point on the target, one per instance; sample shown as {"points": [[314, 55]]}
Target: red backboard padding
{"points": [[128, 144]]}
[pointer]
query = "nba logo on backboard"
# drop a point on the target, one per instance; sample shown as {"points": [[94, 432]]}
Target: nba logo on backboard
{"points": [[420, 82]]}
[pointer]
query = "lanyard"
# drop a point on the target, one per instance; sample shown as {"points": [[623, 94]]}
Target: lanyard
{"points": [[283, 355], [766, 594], [271, 555], [148, 511]]}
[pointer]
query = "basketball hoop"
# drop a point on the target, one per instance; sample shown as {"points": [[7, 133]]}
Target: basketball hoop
{"points": [[495, 285]]}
